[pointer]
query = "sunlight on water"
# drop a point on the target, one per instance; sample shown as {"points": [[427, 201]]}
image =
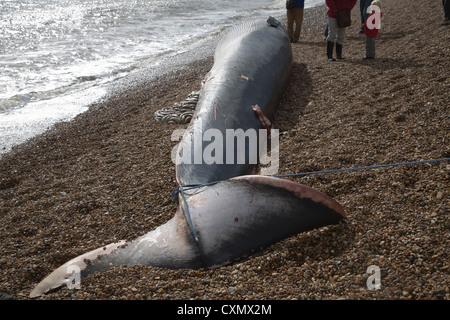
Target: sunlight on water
{"points": [[53, 50]]}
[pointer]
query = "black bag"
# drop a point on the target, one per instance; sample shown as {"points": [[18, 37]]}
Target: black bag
{"points": [[344, 18], [290, 4]]}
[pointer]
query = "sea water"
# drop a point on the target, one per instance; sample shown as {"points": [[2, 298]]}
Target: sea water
{"points": [[59, 56]]}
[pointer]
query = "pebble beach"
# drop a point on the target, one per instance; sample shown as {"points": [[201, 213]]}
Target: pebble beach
{"points": [[107, 175]]}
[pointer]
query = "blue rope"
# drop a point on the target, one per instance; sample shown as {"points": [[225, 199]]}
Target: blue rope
{"points": [[181, 188], [362, 168]]}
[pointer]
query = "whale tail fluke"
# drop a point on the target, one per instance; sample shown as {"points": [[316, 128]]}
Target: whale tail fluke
{"points": [[230, 220]]}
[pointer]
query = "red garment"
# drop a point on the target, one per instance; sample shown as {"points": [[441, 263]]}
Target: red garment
{"points": [[372, 33], [336, 5]]}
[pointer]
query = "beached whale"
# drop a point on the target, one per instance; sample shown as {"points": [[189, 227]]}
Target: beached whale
{"points": [[224, 212]]}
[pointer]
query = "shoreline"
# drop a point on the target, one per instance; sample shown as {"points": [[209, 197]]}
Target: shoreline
{"points": [[202, 52], [107, 176]]}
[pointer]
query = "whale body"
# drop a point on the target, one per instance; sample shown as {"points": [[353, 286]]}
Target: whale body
{"points": [[224, 212]]}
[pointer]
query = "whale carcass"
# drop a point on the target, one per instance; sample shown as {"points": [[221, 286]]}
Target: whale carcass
{"points": [[227, 212]]}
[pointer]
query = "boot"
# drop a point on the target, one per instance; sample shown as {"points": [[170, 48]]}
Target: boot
{"points": [[339, 51], [330, 47]]}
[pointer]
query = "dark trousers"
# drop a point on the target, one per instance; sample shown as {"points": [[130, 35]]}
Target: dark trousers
{"points": [[446, 4], [363, 5], [370, 47]]}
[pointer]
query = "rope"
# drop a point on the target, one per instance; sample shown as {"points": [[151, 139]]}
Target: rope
{"points": [[180, 112], [180, 189], [363, 168], [188, 214]]}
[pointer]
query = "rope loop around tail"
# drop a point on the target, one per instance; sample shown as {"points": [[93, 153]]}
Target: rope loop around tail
{"points": [[180, 190], [188, 214]]}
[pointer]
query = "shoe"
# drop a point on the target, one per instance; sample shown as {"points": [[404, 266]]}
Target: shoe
{"points": [[339, 51], [368, 58], [330, 47], [445, 23]]}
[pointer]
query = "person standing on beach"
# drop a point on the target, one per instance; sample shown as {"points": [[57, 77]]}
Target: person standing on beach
{"points": [[336, 34], [446, 4], [371, 27], [295, 16], [363, 5]]}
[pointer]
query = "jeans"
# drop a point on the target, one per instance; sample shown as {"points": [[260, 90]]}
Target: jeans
{"points": [[294, 16], [335, 34], [363, 5]]}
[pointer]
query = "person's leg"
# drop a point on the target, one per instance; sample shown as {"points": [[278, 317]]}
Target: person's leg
{"points": [[370, 48], [446, 4], [341, 35], [331, 38], [332, 29], [366, 6], [340, 42], [298, 13], [363, 8], [290, 24]]}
